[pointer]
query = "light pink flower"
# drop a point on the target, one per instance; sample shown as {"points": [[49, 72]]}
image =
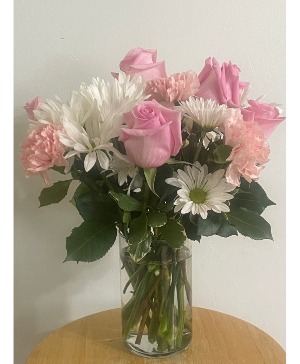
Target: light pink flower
{"points": [[221, 84], [42, 150], [153, 134], [266, 115], [31, 106], [177, 87], [250, 150], [142, 62]]}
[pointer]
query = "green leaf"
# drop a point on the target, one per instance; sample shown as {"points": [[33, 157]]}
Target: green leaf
{"points": [[225, 230], [249, 223], [156, 219], [221, 153], [260, 193], [190, 228], [139, 240], [257, 191], [173, 233], [80, 190], [97, 207], [126, 217], [55, 193], [251, 196], [248, 201], [210, 225], [126, 203], [138, 251], [90, 241], [167, 207], [58, 169], [150, 174], [138, 230], [163, 172]]}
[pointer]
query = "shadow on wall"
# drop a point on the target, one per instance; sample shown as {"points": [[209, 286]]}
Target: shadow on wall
{"points": [[48, 294]]}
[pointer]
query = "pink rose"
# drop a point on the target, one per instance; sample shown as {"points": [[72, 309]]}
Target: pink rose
{"points": [[42, 150], [266, 115], [221, 84], [153, 134], [31, 106], [142, 62], [250, 150], [177, 87]]}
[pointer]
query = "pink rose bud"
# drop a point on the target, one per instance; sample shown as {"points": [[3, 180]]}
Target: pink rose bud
{"points": [[142, 62], [221, 84], [31, 106], [266, 115], [153, 134]]}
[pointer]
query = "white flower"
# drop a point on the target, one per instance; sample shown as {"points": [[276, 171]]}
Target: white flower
{"points": [[115, 98], [95, 116], [201, 191], [77, 139], [207, 113], [49, 111], [244, 94], [123, 167], [212, 136]]}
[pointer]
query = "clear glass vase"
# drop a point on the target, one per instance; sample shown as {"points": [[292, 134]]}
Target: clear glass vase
{"points": [[156, 297]]}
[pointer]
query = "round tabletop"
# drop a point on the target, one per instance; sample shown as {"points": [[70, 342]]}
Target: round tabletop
{"points": [[217, 339]]}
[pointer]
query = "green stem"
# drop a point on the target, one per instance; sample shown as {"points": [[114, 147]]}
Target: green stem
{"points": [[196, 156], [145, 302], [152, 303], [126, 264], [132, 277], [166, 328], [142, 325], [146, 194], [181, 315], [187, 285], [137, 297], [105, 179], [155, 317], [155, 232], [108, 184], [199, 146]]}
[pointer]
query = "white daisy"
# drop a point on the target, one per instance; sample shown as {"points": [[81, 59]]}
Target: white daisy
{"points": [[201, 191], [207, 113]]}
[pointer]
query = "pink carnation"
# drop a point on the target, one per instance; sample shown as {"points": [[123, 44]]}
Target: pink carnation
{"points": [[177, 87], [250, 149], [42, 150]]}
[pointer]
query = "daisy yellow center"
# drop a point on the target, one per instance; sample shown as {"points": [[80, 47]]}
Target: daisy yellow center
{"points": [[197, 195]]}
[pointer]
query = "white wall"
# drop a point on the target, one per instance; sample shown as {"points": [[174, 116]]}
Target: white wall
{"points": [[58, 45]]}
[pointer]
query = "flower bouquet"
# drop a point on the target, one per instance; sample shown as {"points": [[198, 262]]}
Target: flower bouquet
{"points": [[159, 161]]}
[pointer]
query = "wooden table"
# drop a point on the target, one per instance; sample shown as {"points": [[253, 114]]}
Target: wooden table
{"points": [[217, 339]]}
